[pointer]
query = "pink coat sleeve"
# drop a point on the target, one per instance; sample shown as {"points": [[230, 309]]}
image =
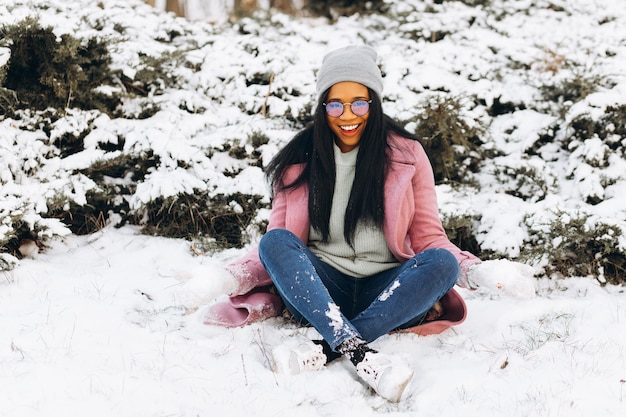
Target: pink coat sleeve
{"points": [[248, 271], [425, 229], [252, 299]]}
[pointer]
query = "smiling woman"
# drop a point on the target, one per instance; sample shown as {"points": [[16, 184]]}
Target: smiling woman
{"points": [[355, 247]]}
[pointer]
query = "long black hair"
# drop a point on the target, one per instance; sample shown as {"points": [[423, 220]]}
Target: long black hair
{"points": [[313, 147]]}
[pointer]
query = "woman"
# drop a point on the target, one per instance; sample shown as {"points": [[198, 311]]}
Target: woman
{"points": [[354, 246]]}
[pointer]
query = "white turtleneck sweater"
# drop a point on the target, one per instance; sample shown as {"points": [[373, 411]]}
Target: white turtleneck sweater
{"points": [[370, 254]]}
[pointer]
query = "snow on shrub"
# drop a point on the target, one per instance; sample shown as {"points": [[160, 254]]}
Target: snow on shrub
{"points": [[527, 138]]}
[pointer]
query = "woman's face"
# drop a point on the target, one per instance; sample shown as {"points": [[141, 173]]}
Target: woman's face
{"points": [[348, 127]]}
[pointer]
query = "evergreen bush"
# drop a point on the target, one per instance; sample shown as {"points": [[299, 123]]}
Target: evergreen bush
{"points": [[460, 231], [116, 181], [525, 180], [576, 244], [335, 8], [45, 71], [8, 100], [84, 219], [560, 94], [467, 2], [190, 216], [610, 127], [451, 141], [19, 230]]}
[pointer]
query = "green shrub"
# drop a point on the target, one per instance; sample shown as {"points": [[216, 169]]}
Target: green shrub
{"points": [[8, 100], [153, 76], [87, 218], [460, 232], [523, 180], [560, 95], [303, 118], [19, 225], [333, 8], [84, 219], [497, 107], [189, 216], [7, 261], [116, 180], [610, 127], [258, 138], [573, 89], [46, 72], [10, 242], [574, 244], [467, 2], [452, 144]]}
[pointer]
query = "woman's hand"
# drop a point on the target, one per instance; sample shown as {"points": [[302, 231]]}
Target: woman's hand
{"points": [[505, 277]]}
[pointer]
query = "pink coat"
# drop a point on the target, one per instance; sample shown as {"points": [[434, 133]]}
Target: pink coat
{"points": [[411, 225]]}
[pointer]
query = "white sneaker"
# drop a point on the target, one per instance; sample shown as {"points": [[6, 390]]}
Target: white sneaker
{"points": [[387, 376], [302, 358]]}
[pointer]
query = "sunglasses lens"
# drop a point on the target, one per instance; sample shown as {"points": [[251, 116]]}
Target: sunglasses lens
{"points": [[360, 107], [334, 109]]}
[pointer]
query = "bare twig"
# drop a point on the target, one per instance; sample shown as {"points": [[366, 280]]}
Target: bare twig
{"points": [[269, 90], [268, 358], [17, 349], [243, 366], [69, 344], [69, 99]]}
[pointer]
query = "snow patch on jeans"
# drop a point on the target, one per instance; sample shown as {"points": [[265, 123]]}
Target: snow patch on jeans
{"points": [[337, 322], [384, 296]]}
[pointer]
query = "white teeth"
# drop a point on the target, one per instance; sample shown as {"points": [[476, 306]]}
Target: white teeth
{"points": [[349, 127]]}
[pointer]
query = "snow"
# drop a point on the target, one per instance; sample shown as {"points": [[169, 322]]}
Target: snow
{"points": [[98, 325], [91, 326]]}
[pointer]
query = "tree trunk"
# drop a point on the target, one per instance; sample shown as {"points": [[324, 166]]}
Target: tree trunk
{"points": [[245, 7], [176, 6], [285, 6]]}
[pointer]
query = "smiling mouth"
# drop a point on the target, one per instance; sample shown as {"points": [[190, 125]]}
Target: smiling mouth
{"points": [[349, 128]]}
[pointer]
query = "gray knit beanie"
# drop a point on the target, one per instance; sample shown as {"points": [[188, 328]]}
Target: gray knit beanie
{"points": [[350, 63]]}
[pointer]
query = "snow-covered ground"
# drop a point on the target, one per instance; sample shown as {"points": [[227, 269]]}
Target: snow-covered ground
{"points": [[92, 325]]}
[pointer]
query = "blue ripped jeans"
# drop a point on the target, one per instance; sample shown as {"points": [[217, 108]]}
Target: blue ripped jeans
{"points": [[340, 306]]}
